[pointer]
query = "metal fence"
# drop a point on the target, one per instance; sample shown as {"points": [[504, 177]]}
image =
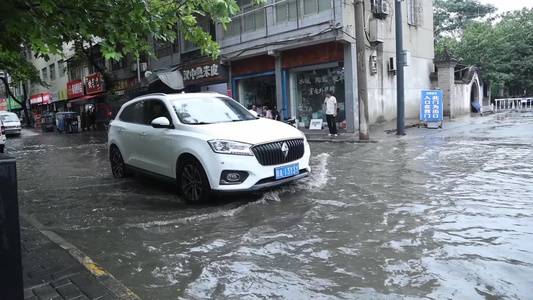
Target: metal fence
{"points": [[513, 104]]}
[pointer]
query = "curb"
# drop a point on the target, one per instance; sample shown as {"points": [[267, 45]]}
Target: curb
{"points": [[106, 279]]}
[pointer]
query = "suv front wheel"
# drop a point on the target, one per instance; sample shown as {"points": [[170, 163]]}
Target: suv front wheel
{"points": [[192, 181]]}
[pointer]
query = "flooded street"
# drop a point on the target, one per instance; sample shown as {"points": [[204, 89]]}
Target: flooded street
{"points": [[436, 214]]}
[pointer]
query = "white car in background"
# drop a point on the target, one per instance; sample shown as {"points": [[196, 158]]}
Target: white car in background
{"points": [[2, 137], [207, 143], [11, 122]]}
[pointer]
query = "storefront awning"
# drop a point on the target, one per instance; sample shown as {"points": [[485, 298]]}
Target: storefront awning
{"points": [[171, 77], [83, 98]]}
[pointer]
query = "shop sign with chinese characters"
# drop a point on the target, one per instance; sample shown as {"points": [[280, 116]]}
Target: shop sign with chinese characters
{"points": [[46, 98], [62, 95], [212, 71], [74, 89], [319, 85], [431, 106], [93, 84], [3, 104], [36, 99]]}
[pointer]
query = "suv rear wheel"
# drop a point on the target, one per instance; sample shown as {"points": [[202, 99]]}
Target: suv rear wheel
{"points": [[192, 181], [117, 164]]}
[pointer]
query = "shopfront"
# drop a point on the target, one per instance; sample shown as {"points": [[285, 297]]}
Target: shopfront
{"points": [[254, 82], [309, 87], [206, 77], [57, 100], [36, 102]]}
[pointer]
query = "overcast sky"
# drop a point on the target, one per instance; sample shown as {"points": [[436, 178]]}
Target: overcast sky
{"points": [[507, 5]]}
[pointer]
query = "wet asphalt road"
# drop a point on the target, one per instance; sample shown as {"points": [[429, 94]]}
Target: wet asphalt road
{"points": [[436, 214]]}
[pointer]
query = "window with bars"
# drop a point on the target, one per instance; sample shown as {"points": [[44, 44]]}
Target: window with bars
{"points": [[250, 18], [52, 72], [162, 48], [44, 73], [117, 65], [62, 68], [414, 12], [207, 25], [287, 10]]}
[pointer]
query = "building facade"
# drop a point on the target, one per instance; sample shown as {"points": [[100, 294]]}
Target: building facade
{"points": [[287, 54]]}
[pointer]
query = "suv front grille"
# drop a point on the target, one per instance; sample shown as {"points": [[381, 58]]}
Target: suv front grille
{"points": [[271, 154]]}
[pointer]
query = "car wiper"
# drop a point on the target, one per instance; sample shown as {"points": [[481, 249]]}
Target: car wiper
{"points": [[199, 123]]}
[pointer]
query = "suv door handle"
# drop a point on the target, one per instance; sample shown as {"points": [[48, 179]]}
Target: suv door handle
{"points": [[142, 134], [120, 131]]}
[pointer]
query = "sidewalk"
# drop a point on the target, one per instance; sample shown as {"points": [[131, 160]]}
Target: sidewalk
{"points": [[54, 269]]}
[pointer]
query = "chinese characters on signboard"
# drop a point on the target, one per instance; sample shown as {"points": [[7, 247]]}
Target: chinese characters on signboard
{"points": [[431, 106], [46, 98], [74, 89], [36, 99], [201, 72], [206, 72], [321, 84], [93, 84]]}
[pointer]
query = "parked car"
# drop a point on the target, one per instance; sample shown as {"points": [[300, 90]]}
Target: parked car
{"points": [[11, 122], [206, 142], [2, 137]]}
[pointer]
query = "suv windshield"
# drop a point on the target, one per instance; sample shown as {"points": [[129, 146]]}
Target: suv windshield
{"points": [[210, 110], [9, 118]]}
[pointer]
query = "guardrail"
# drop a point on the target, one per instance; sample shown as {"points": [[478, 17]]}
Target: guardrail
{"points": [[513, 104]]}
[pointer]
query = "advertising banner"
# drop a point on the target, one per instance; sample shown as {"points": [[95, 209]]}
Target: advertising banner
{"points": [[74, 89], [93, 84], [46, 98], [36, 99]]}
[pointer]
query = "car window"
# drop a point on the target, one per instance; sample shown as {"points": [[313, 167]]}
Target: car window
{"points": [[134, 113], [210, 110], [9, 118], [156, 109]]}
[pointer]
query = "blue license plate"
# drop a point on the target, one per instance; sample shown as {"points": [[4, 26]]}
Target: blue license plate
{"points": [[287, 171]]}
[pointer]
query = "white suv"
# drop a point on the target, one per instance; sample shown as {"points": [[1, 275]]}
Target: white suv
{"points": [[207, 143], [2, 137]]}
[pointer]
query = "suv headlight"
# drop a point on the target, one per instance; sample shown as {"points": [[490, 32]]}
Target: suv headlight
{"points": [[230, 147]]}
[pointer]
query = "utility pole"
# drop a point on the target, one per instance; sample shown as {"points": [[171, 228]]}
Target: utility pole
{"points": [[400, 94], [361, 69]]}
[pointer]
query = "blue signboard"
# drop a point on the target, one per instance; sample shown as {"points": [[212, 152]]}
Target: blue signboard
{"points": [[431, 106]]}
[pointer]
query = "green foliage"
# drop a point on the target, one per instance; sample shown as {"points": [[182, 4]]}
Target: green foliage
{"points": [[123, 25], [451, 17], [503, 50]]}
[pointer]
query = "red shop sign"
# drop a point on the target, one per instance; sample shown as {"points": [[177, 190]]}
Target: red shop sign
{"points": [[74, 89], [93, 84], [36, 99], [46, 98]]}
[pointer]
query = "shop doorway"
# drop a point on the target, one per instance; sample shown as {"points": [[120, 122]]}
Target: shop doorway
{"points": [[259, 91]]}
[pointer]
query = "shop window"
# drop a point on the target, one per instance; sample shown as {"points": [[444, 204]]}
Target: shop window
{"points": [[53, 72], [259, 91], [251, 17], [311, 88]]}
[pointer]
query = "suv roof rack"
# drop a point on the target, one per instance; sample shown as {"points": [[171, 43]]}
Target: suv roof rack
{"points": [[154, 94]]}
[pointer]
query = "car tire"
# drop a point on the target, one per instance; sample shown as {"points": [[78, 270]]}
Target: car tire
{"points": [[192, 182], [118, 168]]}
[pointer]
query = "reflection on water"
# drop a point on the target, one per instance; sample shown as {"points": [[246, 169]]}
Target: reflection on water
{"points": [[445, 215]]}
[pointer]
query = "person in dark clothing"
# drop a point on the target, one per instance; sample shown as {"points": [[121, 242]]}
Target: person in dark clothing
{"points": [[83, 119]]}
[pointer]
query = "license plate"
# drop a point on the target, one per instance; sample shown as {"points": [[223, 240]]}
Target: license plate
{"points": [[287, 171]]}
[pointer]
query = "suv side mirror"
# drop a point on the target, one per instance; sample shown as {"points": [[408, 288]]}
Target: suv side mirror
{"points": [[161, 122]]}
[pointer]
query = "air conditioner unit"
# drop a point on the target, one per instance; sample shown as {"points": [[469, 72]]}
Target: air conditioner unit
{"points": [[143, 66], [376, 31], [380, 7], [392, 64]]}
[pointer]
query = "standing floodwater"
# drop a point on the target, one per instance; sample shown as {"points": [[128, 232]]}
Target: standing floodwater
{"points": [[442, 214]]}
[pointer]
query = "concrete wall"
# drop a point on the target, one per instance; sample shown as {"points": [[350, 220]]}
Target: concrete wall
{"points": [[61, 80], [462, 93], [382, 85]]}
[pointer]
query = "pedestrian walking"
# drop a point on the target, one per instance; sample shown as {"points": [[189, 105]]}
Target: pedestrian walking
{"points": [[330, 106]]}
